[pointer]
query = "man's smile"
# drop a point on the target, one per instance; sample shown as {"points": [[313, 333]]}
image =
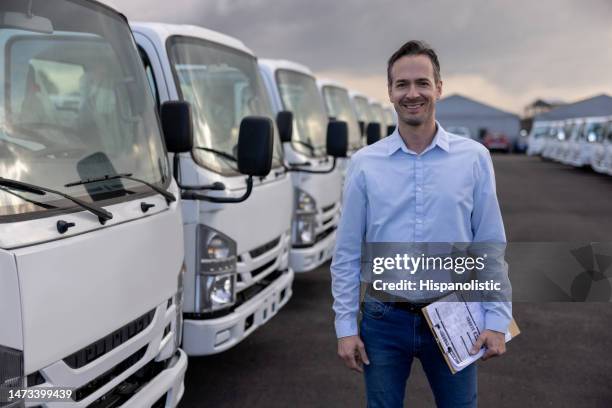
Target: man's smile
{"points": [[413, 107]]}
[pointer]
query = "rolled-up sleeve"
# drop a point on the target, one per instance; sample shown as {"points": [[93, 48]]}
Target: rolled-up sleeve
{"points": [[488, 227], [345, 266]]}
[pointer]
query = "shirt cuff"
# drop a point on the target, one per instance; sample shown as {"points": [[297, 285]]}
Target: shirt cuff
{"points": [[345, 328], [496, 322]]}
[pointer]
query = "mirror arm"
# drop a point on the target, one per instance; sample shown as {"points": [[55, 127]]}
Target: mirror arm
{"points": [[299, 170], [216, 186], [190, 195]]}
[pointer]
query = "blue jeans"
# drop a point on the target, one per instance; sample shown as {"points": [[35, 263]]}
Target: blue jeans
{"points": [[392, 338]]}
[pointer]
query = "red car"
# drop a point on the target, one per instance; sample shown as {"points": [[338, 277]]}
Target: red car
{"points": [[497, 142]]}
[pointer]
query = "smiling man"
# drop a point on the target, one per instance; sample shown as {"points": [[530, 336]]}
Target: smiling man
{"points": [[420, 184]]}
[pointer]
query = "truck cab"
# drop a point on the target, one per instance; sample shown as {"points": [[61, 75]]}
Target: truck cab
{"points": [[601, 157], [338, 106], [91, 241], [237, 250], [367, 119], [582, 146], [316, 213], [390, 119], [379, 116]]}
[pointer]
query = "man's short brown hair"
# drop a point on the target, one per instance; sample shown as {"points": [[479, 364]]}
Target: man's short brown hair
{"points": [[415, 47]]}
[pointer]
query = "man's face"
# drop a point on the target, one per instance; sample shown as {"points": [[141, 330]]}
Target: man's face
{"points": [[413, 90]]}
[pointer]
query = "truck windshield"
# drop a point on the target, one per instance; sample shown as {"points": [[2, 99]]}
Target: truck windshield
{"points": [[223, 86], [362, 108], [74, 105], [300, 95], [339, 106]]}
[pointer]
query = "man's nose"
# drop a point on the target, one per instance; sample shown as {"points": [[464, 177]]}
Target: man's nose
{"points": [[412, 92]]}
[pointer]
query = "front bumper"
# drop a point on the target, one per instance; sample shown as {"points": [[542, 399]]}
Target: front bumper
{"points": [[211, 336], [307, 259], [168, 384]]}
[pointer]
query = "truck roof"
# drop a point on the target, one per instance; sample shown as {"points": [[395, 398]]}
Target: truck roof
{"points": [[353, 94], [275, 64], [330, 82], [164, 31]]}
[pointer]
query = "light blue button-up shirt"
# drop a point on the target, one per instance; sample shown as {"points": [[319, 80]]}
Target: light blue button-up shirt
{"points": [[391, 194]]}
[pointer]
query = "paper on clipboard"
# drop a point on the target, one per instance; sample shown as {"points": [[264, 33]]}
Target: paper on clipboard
{"points": [[456, 325]]}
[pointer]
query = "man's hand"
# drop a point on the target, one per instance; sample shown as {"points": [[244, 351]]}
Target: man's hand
{"points": [[352, 351], [494, 342]]}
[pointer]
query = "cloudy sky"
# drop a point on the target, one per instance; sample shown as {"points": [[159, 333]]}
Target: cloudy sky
{"points": [[503, 53]]}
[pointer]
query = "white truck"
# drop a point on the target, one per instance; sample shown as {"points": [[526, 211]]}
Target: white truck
{"points": [[390, 119], [237, 249], [601, 159], [582, 145], [363, 110], [91, 242], [338, 107], [379, 116], [307, 141]]}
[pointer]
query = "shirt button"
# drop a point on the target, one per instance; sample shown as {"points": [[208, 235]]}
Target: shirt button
{"points": [[418, 188], [419, 220]]}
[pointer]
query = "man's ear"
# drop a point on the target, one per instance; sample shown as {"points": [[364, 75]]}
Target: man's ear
{"points": [[389, 92], [438, 90]]}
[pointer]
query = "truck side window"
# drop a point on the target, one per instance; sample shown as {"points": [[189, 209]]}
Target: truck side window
{"points": [[150, 75]]}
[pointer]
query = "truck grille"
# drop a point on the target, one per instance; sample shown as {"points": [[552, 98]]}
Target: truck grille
{"points": [[126, 389], [262, 268], [98, 382], [328, 208], [99, 348], [260, 250], [324, 234]]}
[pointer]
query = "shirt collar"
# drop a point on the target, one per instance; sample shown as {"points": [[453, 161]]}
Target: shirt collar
{"points": [[396, 142]]}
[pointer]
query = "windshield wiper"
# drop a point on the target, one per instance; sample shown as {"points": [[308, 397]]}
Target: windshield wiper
{"points": [[28, 200], [128, 176], [218, 153], [38, 190]]}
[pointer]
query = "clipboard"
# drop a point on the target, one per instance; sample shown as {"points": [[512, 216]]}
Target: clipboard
{"points": [[455, 324]]}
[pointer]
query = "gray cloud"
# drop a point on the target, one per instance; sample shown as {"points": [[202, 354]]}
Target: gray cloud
{"points": [[549, 44]]}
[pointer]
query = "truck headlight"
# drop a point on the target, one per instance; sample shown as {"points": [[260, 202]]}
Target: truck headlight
{"points": [[216, 278], [304, 202], [11, 374], [305, 221]]}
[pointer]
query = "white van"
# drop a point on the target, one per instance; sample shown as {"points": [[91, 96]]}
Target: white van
{"points": [[316, 178], [91, 242], [363, 110], [237, 231]]}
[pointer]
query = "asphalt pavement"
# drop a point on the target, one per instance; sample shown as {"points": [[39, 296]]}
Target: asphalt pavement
{"points": [[561, 359]]}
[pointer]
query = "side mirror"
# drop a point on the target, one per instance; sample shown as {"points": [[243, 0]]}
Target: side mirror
{"points": [[337, 138], [361, 128], [177, 126], [373, 132], [284, 123], [255, 144], [390, 130]]}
